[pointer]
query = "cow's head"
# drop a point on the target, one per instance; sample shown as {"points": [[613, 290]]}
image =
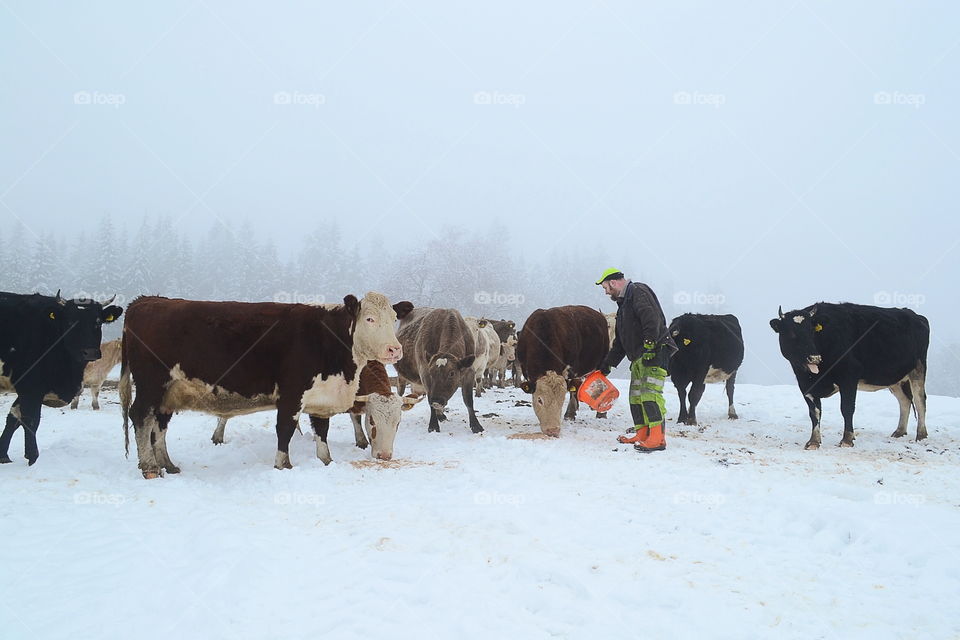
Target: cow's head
{"points": [[80, 323], [374, 337], [443, 375], [549, 392], [509, 348], [798, 338], [685, 333], [381, 420]]}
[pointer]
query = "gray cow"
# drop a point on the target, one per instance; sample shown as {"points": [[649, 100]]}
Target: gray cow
{"points": [[438, 357]]}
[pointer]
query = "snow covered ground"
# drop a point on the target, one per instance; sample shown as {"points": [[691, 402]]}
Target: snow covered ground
{"points": [[734, 532]]}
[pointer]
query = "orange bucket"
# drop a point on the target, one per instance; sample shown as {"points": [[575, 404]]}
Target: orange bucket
{"points": [[598, 392]]}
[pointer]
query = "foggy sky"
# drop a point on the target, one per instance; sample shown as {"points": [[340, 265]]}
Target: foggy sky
{"points": [[763, 154]]}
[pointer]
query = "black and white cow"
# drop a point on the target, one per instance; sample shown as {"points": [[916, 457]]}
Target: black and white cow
{"points": [[845, 347], [45, 344], [710, 349]]}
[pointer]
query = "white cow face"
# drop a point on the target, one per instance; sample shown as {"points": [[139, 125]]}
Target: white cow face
{"points": [[548, 399], [510, 348], [381, 419], [374, 337]]}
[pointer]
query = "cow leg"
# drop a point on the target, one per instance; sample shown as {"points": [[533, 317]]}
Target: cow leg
{"points": [[848, 404], [731, 412], [467, 393], [572, 406], [160, 444], [95, 393], [918, 387], [401, 385], [287, 413], [76, 400], [144, 429], [696, 392], [902, 392], [218, 433], [813, 406], [29, 417], [358, 435], [478, 386], [434, 419], [682, 395], [321, 426], [12, 424]]}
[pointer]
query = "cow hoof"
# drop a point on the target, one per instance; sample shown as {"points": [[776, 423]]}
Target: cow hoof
{"points": [[690, 422], [362, 445], [96, 407], [476, 428], [172, 469], [810, 446], [569, 417], [898, 433], [432, 428], [151, 475], [733, 416], [31, 461], [846, 443], [601, 416], [5, 459], [921, 436], [282, 461]]}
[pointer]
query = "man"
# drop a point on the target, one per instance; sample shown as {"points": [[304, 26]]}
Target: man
{"points": [[641, 334]]}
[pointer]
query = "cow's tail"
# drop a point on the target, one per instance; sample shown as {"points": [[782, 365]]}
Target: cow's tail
{"points": [[125, 389]]}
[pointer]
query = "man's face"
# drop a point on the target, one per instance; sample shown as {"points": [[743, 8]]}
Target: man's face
{"points": [[611, 289]]}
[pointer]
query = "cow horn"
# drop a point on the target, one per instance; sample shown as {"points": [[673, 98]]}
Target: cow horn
{"points": [[110, 301], [60, 300], [407, 400], [780, 312], [362, 398]]}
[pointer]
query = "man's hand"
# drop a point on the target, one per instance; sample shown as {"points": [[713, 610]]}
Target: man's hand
{"points": [[649, 350]]}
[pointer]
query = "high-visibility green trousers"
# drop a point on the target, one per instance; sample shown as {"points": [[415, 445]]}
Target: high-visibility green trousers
{"points": [[646, 392]]}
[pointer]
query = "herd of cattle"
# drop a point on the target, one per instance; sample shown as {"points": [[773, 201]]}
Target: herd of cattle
{"points": [[234, 358]]}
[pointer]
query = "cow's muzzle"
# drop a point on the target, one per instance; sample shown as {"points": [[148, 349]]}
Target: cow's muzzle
{"points": [[384, 455], [393, 355]]}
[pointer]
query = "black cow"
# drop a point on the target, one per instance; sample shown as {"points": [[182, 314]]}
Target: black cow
{"points": [[845, 347], [710, 350], [45, 345]]}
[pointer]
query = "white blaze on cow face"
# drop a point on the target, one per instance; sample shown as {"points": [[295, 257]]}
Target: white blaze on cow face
{"points": [[548, 400], [374, 337], [382, 419], [510, 348]]}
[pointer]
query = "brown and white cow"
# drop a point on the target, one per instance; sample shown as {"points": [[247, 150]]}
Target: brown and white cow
{"points": [[235, 358], [376, 402], [555, 348], [486, 346], [438, 357], [497, 372], [96, 372]]}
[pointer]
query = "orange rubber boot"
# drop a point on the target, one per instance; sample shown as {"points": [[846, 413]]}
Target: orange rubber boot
{"points": [[655, 441], [642, 434]]}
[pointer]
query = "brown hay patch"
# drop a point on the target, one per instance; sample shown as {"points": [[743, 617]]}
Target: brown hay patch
{"points": [[530, 436], [402, 464]]}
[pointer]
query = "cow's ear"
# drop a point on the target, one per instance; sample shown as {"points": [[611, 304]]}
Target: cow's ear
{"points": [[351, 304], [111, 313], [775, 325], [525, 386], [466, 362], [402, 309], [481, 323]]}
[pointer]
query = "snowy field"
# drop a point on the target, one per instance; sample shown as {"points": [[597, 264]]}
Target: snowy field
{"points": [[734, 532]]}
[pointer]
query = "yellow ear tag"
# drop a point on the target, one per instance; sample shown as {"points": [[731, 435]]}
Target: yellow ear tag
{"points": [[573, 389], [52, 317], [110, 318], [819, 327], [687, 341]]}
